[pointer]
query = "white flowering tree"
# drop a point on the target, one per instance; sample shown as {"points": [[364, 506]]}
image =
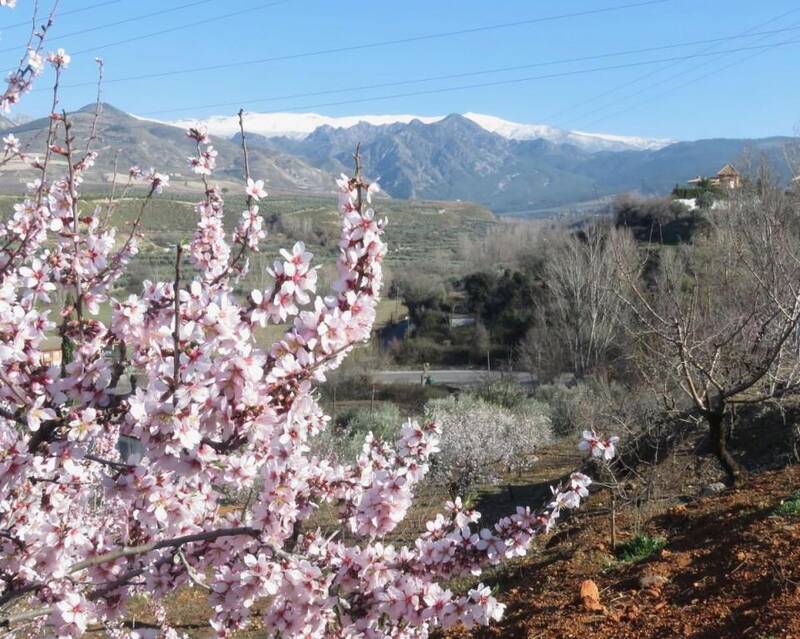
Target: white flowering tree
{"points": [[84, 529], [481, 441]]}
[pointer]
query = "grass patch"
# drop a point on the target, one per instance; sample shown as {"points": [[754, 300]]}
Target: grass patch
{"points": [[789, 506], [639, 548]]}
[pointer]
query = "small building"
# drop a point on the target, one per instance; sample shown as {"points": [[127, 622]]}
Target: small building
{"points": [[727, 178]]}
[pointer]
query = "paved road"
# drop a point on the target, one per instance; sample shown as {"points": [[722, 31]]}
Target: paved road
{"points": [[451, 377], [455, 377]]}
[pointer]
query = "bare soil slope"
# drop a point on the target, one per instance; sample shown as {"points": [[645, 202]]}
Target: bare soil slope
{"points": [[730, 568]]}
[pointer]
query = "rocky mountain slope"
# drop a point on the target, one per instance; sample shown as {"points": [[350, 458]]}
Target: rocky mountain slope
{"points": [[455, 158], [132, 141]]}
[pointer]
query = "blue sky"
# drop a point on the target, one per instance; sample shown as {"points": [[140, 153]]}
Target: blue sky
{"points": [[755, 96]]}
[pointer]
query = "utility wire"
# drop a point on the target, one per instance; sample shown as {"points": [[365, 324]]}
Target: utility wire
{"points": [[27, 23], [116, 23], [371, 45], [747, 33], [662, 94], [180, 27], [662, 82], [524, 79], [453, 76]]}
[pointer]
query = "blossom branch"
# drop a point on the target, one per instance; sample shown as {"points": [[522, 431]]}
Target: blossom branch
{"points": [[131, 551]]}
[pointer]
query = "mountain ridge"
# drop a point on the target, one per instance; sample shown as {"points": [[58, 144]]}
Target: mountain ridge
{"points": [[449, 158], [300, 125], [455, 158]]}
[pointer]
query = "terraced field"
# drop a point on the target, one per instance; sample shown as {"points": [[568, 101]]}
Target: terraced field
{"points": [[417, 231]]}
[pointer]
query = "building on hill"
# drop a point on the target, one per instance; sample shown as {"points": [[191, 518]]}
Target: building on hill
{"points": [[727, 178]]}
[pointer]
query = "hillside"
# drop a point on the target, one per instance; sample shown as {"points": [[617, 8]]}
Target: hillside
{"points": [[417, 231], [658, 171], [134, 141], [729, 569]]}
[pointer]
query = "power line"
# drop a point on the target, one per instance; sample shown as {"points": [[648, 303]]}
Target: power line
{"points": [[712, 73], [180, 27], [523, 79], [660, 83], [27, 23], [746, 33], [667, 80], [116, 23], [471, 73], [373, 45]]}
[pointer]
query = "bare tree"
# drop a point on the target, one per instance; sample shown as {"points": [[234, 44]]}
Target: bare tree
{"points": [[584, 312], [792, 155], [717, 320], [510, 242]]}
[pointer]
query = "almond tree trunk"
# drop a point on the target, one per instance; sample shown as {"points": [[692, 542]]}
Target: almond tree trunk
{"points": [[719, 444]]}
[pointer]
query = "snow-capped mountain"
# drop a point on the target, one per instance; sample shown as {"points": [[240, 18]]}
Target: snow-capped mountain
{"points": [[506, 165], [296, 126], [586, 141], [300, 125]]}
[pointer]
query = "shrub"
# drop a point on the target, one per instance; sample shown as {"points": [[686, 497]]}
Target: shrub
{"points": [[567, 407], [345, 439], [598, 404], [412, 397], [639, 548], [480, 441], [632, 211], [506, 392], [655, 219], [790, 506]]}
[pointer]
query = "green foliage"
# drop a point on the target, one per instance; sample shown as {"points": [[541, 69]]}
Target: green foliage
{"points": [[790, 506], [67, 351], [506, 304], [345, 437], [478, 289], [685, 192], [705, 200], [691, 192], [511, 308], [659, 220], [383, 420], [639, 548]]}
